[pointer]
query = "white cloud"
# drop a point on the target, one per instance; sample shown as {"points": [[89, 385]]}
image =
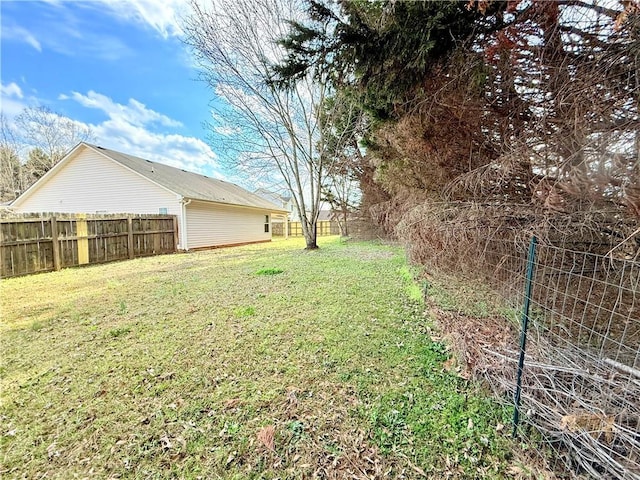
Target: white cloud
{"points": [[132, 129], [13, 100], [11, 90], [11, 107], [65, 30], [135, 112], [59, 27], [176, 150], [20, 34], [163, 17]]}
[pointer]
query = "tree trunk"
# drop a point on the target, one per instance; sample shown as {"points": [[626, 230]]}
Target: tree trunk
{"points": [[310, 232], [345, 230]]}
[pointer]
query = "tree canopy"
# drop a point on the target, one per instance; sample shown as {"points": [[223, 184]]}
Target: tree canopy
{"points": [[532, 103], [32, 144], [385, 49]]}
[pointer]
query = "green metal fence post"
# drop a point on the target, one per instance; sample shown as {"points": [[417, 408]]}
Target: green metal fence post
{"points": [[531, 259]]}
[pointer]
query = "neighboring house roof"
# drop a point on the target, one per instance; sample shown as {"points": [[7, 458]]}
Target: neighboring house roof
{"points": [[267, 194], [332, 215], [187, 184], [325, 215]]}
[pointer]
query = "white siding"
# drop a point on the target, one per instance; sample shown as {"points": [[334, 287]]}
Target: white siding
{"points": [[215, 224], [91, 183]]}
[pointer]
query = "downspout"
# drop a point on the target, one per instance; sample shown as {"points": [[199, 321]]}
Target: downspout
{"points": [[183, 222]]}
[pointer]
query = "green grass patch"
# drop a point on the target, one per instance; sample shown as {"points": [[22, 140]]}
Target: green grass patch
{"points": [[413, 290], [245, 311], [187, 366], [118, 332], [269, 271]]}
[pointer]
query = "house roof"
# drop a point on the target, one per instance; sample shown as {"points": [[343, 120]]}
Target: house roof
{"points": [[325, 215], [188, 184]]}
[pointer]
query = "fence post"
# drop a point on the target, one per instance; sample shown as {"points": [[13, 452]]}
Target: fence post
{"points": [[82, 233], [55, 245], [130, 237], [531, 258], [175, 233]]}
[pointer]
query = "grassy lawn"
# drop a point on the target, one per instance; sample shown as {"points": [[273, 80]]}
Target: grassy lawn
{"points": [[264, 361]]}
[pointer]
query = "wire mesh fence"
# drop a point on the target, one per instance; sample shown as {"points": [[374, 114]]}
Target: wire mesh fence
{"points": [[580, 397], [581, 386]]}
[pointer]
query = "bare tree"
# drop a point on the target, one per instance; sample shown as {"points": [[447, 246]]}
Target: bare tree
{"points": [[269, 133], [343, 127], [32, 144], [51, 134], [12, 178], [343, 194]]}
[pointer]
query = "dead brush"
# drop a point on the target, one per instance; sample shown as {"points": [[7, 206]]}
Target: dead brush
{"points": [[582, 386]]}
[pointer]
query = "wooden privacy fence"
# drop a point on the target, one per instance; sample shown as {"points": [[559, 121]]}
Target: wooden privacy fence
{"points": [[325, 227], [46, 243]]}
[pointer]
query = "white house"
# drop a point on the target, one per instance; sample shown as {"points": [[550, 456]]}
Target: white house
{"points": [[282, 200], [211, 212]]}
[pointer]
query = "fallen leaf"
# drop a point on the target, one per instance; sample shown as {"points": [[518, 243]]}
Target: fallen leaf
{"points": [[267, 437], [232, 403]]}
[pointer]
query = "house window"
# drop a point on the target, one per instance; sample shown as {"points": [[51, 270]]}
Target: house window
{"points": [[266, 224], [162, 210]]}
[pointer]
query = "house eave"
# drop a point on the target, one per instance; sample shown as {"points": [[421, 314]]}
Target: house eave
{"points": [[238, 205]]}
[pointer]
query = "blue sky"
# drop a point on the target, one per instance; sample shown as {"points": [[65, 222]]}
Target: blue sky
{"points": [[116, 65]]}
